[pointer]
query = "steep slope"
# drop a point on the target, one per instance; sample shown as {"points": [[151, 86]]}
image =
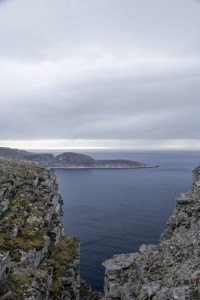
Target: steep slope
{"points": [[36, 260], [169, 270]]}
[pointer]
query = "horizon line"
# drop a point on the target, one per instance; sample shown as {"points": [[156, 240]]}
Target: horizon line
{"points": [[109, 144]]}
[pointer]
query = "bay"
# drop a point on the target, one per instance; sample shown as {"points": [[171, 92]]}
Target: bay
{"points": [[114, 211]]}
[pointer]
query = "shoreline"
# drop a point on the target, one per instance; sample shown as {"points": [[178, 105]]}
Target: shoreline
{"points": [[83, 167]]}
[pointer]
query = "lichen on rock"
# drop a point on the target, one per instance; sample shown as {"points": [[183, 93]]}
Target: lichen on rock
{"points": [[35, 257]]}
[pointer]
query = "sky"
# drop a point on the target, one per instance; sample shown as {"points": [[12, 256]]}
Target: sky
{"points": [[100, 74]]}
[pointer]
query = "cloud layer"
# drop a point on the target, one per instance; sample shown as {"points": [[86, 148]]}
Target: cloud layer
{"points": [[99, 70]]}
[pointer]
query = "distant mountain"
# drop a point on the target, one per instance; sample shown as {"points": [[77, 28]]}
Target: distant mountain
{"points": [[69, 160]]}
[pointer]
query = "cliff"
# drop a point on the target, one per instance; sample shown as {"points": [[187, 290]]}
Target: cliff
{"points": [[69, 160], [169, 270], [36, 260]]}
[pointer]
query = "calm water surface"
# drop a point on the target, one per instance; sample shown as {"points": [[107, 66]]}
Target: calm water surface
{"points": [[115, 211]]}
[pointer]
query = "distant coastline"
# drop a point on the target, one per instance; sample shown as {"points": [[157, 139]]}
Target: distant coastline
{"points": [[84, 167], [71, 160]]}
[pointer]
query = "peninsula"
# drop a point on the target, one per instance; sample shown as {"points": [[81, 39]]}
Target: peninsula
{"points": [[70, 160]]}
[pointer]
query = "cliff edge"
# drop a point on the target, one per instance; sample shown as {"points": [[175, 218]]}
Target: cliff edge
{"points": [[36, 260], [169, 270]]}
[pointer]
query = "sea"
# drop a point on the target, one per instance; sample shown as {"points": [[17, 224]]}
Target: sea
{"points": [[114, 211]]}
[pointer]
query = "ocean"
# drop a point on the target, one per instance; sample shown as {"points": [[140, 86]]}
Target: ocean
{"points": [[114, 211]]}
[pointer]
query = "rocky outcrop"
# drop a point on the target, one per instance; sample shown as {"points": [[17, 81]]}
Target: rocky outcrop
{"points": [[36, 260], [169, 270], [69, 160]]}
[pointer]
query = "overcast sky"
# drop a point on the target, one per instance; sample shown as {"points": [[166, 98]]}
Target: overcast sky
{"points": [[95, 73]]}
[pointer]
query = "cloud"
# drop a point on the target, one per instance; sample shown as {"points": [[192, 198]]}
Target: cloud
{"points": [[3, 2], [137, 145], [99, 70]]}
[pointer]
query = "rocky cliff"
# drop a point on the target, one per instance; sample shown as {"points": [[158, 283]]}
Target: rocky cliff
{"points": [[169, 270], [36, 260]]}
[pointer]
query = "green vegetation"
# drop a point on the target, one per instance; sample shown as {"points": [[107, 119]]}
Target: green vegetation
{"points": [[56, 286], [22, 225], [64, 253], [27, 241], [62, 259], [21, 284], [2, 240], [22, 228], [15, 256], [2, 179], [136, 292]]}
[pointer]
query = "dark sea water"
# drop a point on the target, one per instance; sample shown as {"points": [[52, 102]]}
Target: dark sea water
{"points": [[115, 211]]}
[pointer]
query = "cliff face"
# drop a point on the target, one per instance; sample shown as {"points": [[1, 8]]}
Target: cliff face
{"points": [[169, 270], [36, 260]]}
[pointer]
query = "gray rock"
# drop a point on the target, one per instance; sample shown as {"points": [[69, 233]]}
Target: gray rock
{"points": [[36, 261], [5, 266], [34, 257], [169, 270]]}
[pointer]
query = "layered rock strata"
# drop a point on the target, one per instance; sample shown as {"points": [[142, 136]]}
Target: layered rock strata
{"points": [[36, 260], [169, 270]]}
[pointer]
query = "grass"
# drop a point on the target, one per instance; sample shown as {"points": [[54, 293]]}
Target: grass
{"points": [[27, 241]]}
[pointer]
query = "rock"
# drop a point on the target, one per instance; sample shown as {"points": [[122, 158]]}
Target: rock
{"points": [[169, 270], [36, 260], [5, 266], [34, 257], [86, 292]]}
